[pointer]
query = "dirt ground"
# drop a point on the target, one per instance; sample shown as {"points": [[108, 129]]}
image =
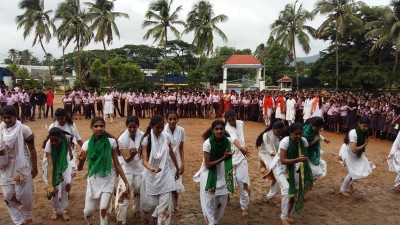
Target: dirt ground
{"points": [[372, 203]]}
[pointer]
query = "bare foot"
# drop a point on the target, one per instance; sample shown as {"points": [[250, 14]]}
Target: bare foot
{"points": [[273, 201], [290, 220], [54, 217], [245, 213], [65, 216], [285, 222], [345, 194]]}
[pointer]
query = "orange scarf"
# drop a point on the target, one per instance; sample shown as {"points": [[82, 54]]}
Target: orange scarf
{"points": [[314, 104], [268, 103], [281, 102]]}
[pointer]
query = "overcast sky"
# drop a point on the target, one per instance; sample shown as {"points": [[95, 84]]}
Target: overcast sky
{"points": [[247, 27]]}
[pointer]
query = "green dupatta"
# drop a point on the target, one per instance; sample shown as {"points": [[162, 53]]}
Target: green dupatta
{"points": [[361, 138], [60, 161], [296, 149], [217, 151], [314, 152], [99, 156]]}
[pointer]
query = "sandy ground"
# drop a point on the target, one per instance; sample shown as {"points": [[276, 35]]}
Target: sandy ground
{"points": [[372, 203]]}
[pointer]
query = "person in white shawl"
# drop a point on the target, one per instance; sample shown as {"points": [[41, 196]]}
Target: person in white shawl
{"points": [[268, 144], [18, 166], [241, 170], [352, 154], [178, 138], [394, 162], [158, 182], [129, 145]]}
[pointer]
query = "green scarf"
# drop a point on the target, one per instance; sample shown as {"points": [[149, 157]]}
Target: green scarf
{"points": [[60, 162], [361, 138], [217, 151], [99, 156], [314, 152], [305, 174]]}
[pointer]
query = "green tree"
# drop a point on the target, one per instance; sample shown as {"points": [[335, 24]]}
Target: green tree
{"points": [[386, 32], [203, 21], [291, 26], [74, 28], [103, 20], [340, 15], [161, 18], [35, 19]]}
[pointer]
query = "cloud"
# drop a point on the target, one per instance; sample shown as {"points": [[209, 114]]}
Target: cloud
{"points": [[247, 27]]}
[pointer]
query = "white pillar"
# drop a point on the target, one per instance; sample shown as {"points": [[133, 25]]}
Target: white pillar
{"points": [[225, 80], [258, 80]]}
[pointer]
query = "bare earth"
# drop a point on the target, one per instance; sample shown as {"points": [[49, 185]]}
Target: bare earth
{"points": [[372, 203]]}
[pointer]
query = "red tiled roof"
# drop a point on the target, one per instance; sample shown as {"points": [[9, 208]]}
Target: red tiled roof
{"points": [[285, 79], [242, 59]]}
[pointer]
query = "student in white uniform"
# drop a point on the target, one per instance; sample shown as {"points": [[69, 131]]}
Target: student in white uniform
{"points": [[308, 103], [290, 110], [178, 139], [352, 154], [394, 163], [216, 172], [129, 145], [289, 166], [158, 181], [240, 166], [58, 154], [103, 165], [18, 166], [268, 145], [311, 129]]}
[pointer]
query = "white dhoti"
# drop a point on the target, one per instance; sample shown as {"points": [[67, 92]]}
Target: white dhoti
{"points": [[19, 200], [393, 160], [319, 171], [122, 203]]}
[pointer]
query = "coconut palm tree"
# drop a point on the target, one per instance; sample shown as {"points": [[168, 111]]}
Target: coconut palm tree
{"points": [[203, 21], [291, 26], [12, 55], [103, 20], [161, 18], [386, 32], [74, 27], [340, 13], [35, 19]]}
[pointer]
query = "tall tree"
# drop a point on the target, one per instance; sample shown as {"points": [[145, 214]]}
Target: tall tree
{"points": [[387, 32], [12, 55], [35, 19], [103, 20], [291, 26], [203, 21], [74, 28], [340, 14], [161, 18]]}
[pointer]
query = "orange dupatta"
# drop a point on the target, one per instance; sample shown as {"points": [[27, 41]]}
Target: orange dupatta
{"points": [[268, 103], [281, 102], [314, 104]]}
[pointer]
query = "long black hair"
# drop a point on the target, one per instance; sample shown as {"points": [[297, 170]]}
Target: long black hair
{"points": [[291, 129], [153, 121], [215, 123], [315, 121], [60, 112], [277, 124]]}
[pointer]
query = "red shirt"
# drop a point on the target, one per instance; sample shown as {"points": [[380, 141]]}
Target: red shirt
{"points": [[49, 98]]}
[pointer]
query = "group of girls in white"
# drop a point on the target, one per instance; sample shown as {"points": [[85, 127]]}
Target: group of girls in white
{"points": [[150, 165]]}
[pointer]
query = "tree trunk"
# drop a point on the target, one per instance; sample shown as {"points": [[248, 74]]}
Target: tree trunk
{"points": [[337, 58], [165, 56], [108, 64], [296, 66], [48, 64], [64, 74], [198, 62], [79, 61], [396, 60]]}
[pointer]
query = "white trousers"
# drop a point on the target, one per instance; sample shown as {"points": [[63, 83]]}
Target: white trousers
{"points": [[121, 205], [283, 184], [273, 190], [213, 206], [241, 172], [19, 200], [346, 183], [90, 207], [156, 206], [397, 181]]}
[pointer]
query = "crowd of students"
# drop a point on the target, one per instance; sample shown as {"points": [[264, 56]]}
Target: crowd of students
{"points": [[150, 164]]}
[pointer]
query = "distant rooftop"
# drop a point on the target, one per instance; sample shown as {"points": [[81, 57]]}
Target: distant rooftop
{"points": [[243, 61]]}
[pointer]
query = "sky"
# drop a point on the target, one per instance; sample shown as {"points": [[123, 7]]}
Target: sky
{"points": [[247, 27]]}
